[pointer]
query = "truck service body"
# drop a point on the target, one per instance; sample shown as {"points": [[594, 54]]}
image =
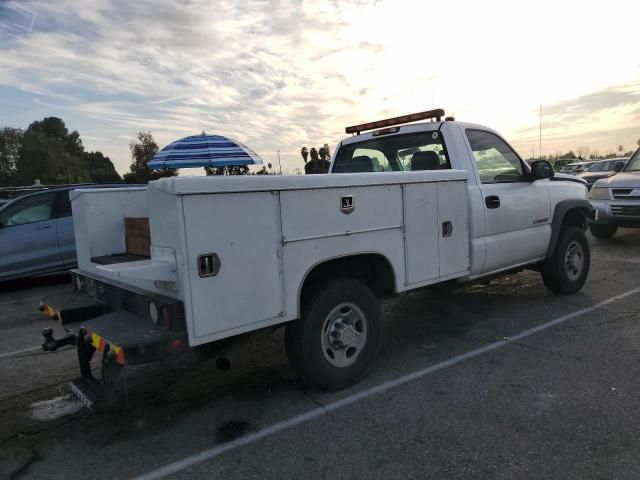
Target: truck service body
{"points": [[403, 207]]}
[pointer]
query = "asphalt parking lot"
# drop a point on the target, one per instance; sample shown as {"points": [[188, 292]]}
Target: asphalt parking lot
{"points": [[499, 381]]}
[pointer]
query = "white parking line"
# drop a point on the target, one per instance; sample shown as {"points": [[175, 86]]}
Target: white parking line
{"points": [[216, 451], [18, 352]]}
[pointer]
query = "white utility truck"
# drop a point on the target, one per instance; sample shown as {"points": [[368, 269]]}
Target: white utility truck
{"points": [[405, 206]]}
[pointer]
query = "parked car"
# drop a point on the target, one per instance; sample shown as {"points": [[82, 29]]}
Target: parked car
{"points": [[603, 169], [36, 232], [577, 167], [616, 200], [558, 165]]}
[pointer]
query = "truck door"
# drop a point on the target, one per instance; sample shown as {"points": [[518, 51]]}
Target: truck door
{"points": [[517, 211]]}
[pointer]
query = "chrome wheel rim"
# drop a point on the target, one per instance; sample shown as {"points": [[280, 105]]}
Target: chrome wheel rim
{"points": [[574, 260], [344, 335]]}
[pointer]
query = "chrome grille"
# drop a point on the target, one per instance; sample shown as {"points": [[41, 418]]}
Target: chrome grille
{"points": [[626, 193], [627, 211]]}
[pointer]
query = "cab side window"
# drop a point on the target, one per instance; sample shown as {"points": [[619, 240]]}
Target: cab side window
{"points": [[496, 161], [37, 208]]}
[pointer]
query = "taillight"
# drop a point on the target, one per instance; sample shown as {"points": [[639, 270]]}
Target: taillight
{"points": [[166, 318]]}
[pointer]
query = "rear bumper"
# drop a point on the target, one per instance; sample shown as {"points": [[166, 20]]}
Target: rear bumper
{"points": [[130, 338], [115, 322], [72, 307]]}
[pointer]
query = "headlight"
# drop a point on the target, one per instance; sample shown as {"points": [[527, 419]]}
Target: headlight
{"points": [[599, 193], [77, 283]]}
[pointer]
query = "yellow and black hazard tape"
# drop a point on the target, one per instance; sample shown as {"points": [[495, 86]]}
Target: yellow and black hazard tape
{"points": [[100, 344]]}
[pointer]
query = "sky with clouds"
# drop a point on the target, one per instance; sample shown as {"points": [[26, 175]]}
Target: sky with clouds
{"points": [[280, 74]]}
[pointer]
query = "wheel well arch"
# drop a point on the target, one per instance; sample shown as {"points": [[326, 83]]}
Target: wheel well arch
{"points": [[373, 269], [574, 212]]}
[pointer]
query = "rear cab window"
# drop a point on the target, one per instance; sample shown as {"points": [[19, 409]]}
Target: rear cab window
{"points": [[413, 151]]}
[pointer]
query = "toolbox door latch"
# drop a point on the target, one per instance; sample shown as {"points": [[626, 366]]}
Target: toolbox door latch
{"points": [[208, 265]]}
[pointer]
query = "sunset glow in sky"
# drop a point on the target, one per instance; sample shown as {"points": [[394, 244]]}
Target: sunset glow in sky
{"points": [[282, 74]]}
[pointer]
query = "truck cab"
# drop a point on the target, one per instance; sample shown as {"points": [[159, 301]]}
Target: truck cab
{"points": [[511, 208]]}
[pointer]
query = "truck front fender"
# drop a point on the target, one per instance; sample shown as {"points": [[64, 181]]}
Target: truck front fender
{"points": [[575, 211]]}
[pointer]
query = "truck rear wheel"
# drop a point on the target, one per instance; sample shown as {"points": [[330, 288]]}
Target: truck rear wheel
{"points": [[566, 271], [603, 231], [339, 336]]}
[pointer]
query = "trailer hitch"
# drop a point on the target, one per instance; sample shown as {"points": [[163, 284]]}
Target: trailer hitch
{"points": [[50, 344]]}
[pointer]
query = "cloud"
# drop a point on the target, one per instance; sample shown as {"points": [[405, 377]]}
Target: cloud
{"points": [[277, 74], [598, 119], [253, 69]]}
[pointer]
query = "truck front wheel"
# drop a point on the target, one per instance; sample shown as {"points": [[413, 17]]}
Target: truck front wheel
{"points": [[567, 269], [339, 336], [603, 231]]}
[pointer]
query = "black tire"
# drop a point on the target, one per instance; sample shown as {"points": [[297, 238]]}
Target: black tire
{"points": [[558, 273], [603, 231], [304, 337]]}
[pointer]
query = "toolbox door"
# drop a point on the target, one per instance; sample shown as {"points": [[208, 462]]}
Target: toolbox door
{"points": [[453, 225], [421, 232], [234, 260]]}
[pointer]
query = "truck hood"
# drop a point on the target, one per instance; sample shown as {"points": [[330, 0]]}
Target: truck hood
{"points": [[571, 178], [621, 180]]}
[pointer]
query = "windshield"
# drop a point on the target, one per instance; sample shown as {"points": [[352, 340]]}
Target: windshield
{"points": [[603, 167], [634, 162]]}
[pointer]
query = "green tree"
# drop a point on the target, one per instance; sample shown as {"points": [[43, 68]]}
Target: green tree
{"points": [[568, 156], [100, 167], [142, 151], [10, 147], [50, 153]]}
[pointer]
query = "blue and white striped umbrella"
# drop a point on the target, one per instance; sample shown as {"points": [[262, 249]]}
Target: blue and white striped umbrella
{"points": [[204, 151]]}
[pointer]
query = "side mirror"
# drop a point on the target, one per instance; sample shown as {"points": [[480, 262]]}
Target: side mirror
{"points": [[618, 167], [541, 170]]}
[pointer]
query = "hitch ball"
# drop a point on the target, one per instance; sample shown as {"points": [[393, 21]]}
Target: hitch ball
{"points": [[49, 344]]}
